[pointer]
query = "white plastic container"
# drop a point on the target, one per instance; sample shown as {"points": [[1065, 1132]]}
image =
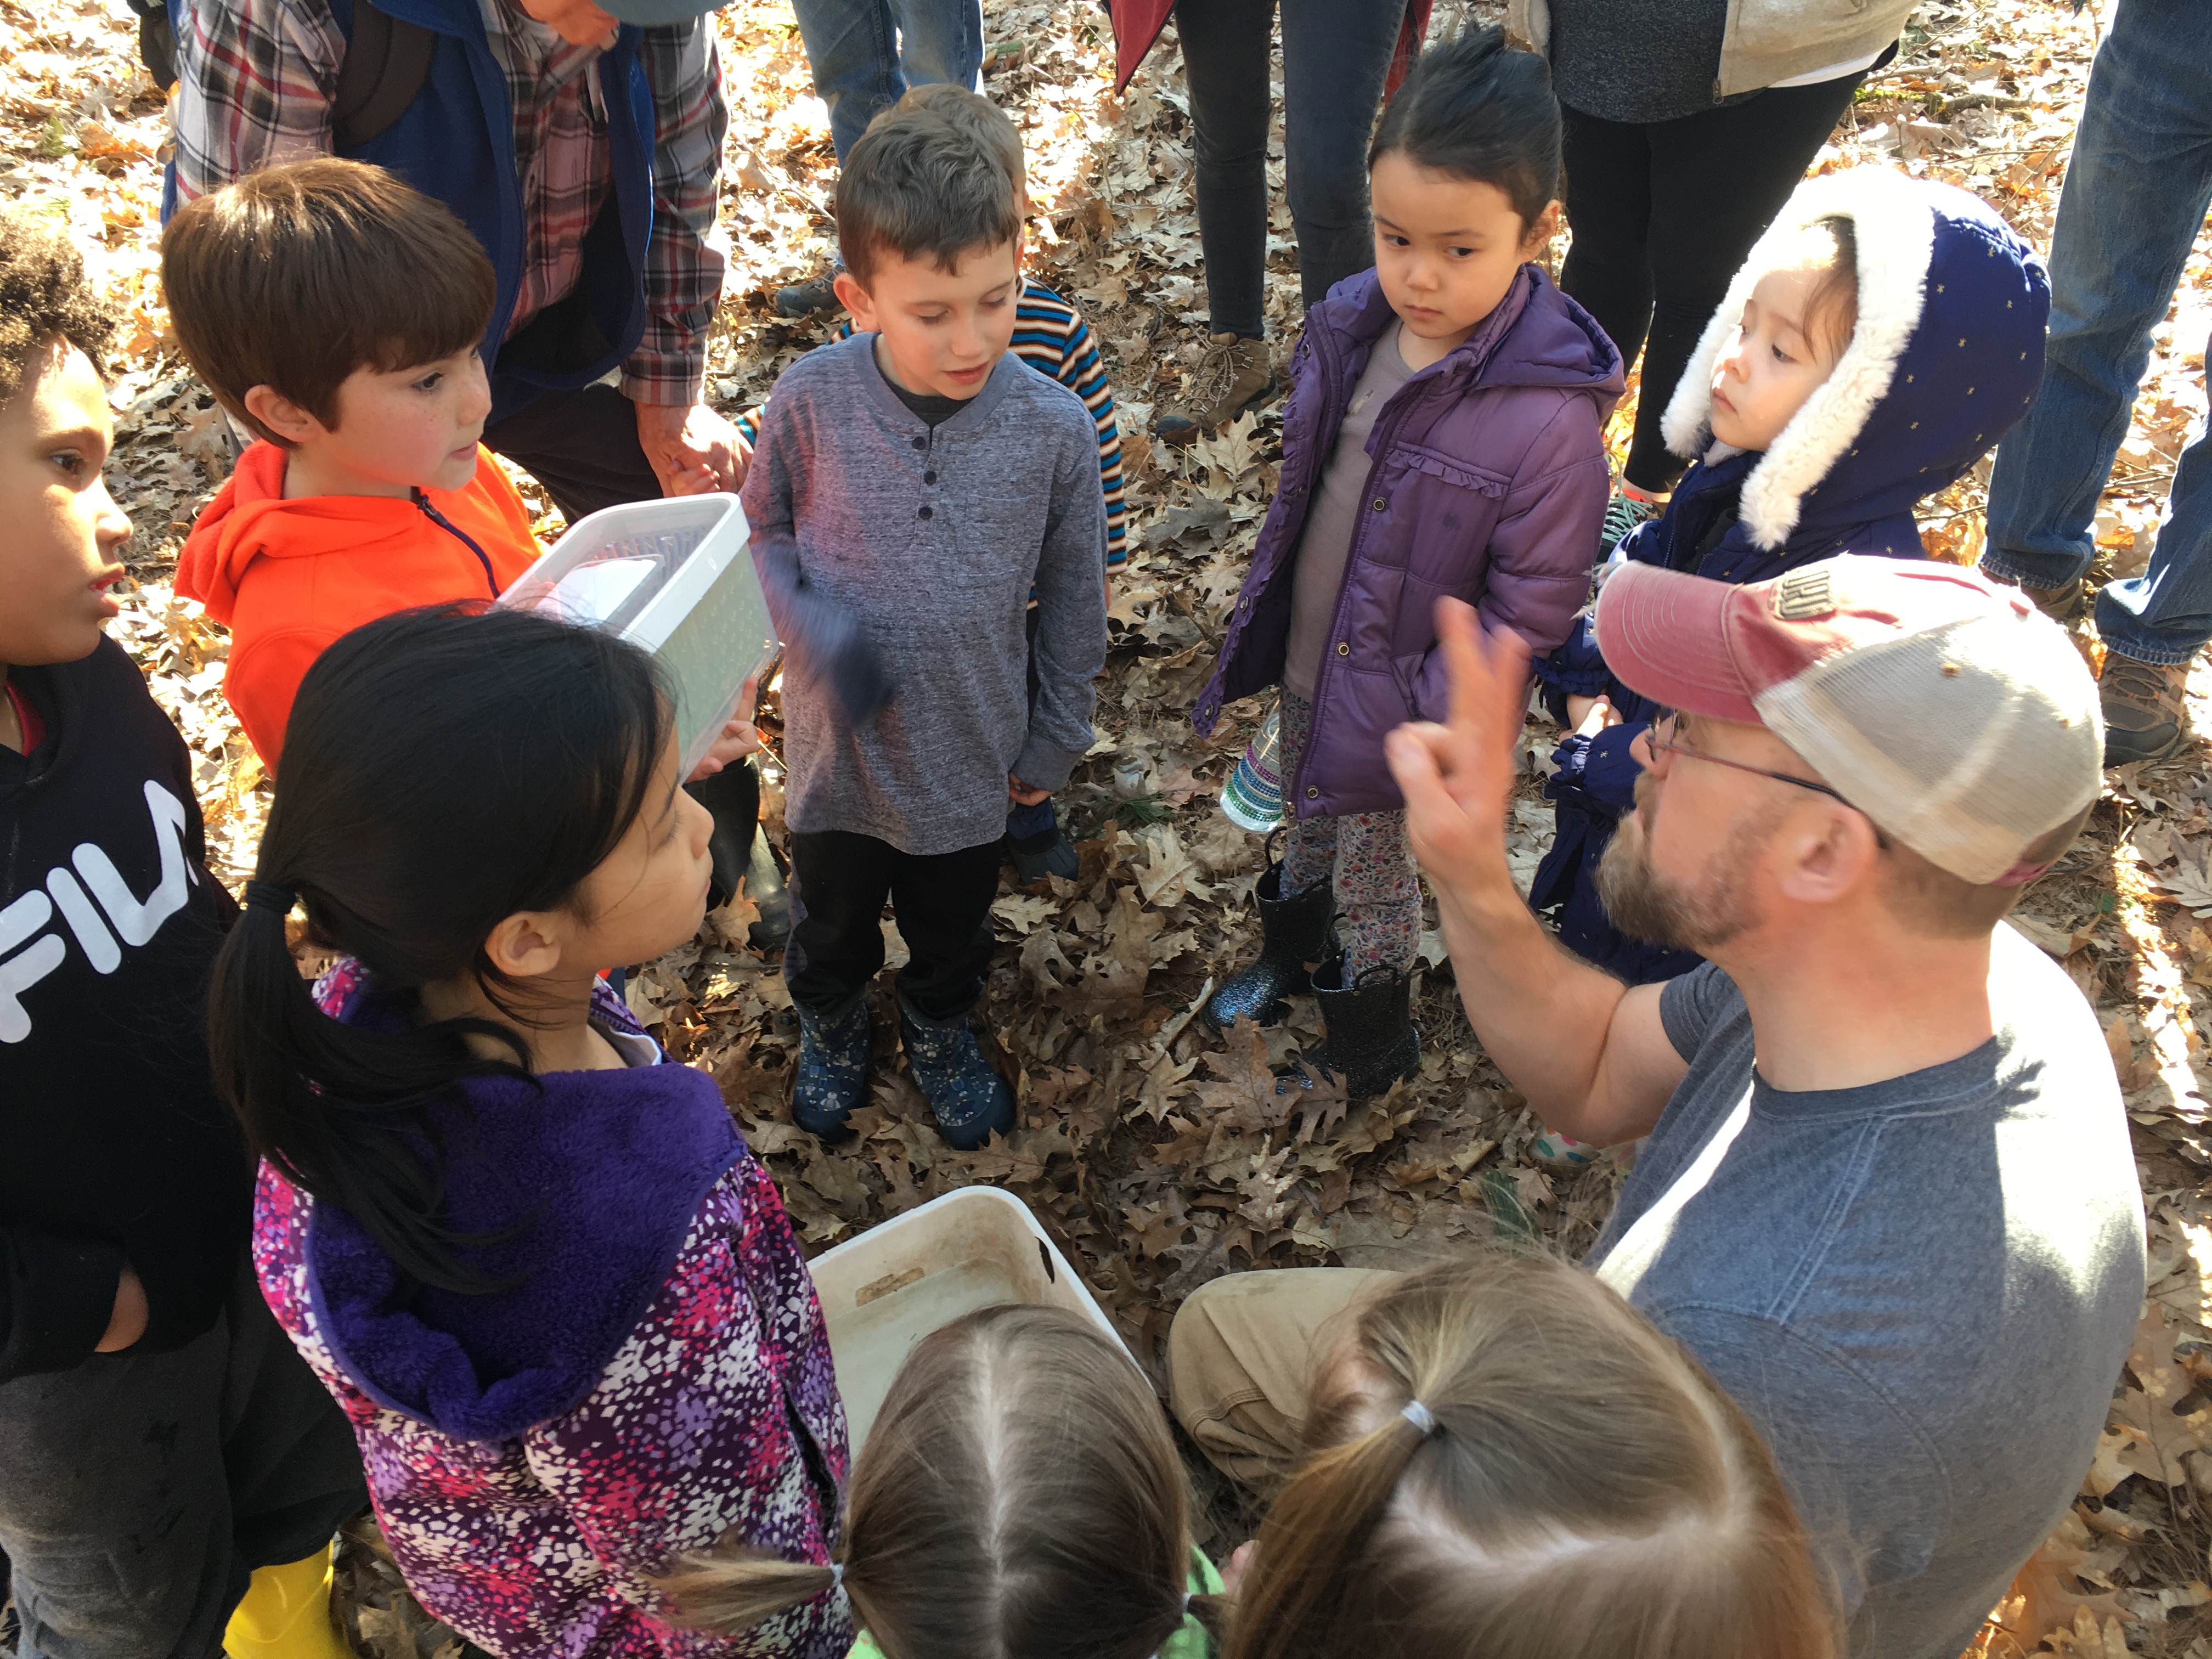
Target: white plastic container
{"points": [[886, 1290], [675, 577]]}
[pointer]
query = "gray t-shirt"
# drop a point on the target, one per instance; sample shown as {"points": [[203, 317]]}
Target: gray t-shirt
{"points": [[1920, 1291], [1325, 542]]}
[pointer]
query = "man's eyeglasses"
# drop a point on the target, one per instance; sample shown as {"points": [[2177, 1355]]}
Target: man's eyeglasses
{"points": [[1664, 738]]}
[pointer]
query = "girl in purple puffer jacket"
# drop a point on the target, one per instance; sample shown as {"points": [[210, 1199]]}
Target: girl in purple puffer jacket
{"points": [[529, 1255], [1443, 438]]}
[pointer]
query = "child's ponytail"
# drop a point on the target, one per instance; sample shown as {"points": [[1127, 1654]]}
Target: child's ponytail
{"points": [[736, 1589], [442, 769], [1477, 109], [1322, 1520], [1493, 1438]]}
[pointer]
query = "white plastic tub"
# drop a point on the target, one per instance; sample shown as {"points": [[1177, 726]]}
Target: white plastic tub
{"points": [[677, 578], [886, 1290]]}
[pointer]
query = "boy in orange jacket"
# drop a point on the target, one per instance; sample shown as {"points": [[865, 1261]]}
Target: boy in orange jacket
{"points": [[337, 312]]}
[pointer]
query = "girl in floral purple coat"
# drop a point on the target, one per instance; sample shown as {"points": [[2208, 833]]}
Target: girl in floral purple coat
{"points": [[533, 1258], [1443, 437]]}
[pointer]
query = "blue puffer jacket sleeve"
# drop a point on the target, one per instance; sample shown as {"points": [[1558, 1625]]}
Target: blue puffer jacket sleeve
{"points": [[1598, 774]]}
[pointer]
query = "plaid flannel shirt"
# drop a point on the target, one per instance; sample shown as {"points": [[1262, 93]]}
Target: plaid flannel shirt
{"points": [[257, 78]]}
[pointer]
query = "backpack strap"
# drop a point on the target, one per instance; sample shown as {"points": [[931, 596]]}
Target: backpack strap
{"points": [[386, 62]]}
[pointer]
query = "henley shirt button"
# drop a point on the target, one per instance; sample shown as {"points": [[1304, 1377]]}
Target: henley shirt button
{"points": [[921, 443], [924, 512], [929, 478]]}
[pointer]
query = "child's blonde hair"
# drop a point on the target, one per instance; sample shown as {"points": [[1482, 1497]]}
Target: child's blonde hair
{"points": [[1587, 1491], [1019, 1498]]}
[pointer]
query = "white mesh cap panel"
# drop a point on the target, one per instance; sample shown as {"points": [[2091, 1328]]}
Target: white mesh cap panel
{"points": [[1967, 741]]}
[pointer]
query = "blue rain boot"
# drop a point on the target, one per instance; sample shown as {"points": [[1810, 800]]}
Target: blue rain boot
{"points": [[832, 1076], [971, 1101]]}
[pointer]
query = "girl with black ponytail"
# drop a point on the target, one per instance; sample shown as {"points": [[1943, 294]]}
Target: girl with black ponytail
{"points": [[534, 1260]]}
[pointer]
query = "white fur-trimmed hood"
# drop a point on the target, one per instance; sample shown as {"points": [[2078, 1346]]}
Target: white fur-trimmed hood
{"points": [[1945, 354]]}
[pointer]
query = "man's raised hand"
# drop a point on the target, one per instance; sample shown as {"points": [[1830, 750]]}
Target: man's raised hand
{"points": [[1457, 777]]}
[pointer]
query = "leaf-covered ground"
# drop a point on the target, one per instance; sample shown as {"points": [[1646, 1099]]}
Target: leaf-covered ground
{"points": [[1156, 1152]]}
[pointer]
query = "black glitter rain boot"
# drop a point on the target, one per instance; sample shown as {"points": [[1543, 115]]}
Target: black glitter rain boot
{"points": [[1369, 1040], [1293, 931]]}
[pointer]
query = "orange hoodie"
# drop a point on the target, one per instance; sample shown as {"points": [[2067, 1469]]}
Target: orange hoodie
{"points": [[289, 577]]}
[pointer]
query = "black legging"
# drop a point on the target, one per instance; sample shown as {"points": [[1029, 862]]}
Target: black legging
{"points": [[1336, 56], [1663, 213]]}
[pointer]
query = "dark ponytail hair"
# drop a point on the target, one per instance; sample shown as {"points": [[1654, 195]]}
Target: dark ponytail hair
{"points": [[442, 769], [1478, 110]]}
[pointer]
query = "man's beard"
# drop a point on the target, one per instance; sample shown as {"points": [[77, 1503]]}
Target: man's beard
{"points": [[1660, 910]]}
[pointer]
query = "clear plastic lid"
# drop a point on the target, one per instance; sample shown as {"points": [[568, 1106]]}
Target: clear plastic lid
{"points": [[677, 578]]}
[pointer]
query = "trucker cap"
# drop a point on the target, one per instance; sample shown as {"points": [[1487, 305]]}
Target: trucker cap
{"points": [[1943, 706]]}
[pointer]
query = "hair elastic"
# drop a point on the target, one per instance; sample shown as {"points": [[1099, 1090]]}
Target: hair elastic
{"points": [[1420, 1417], [836, 1574], [271, 895]]}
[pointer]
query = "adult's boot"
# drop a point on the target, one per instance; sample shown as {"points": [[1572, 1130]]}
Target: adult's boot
{"points": [[1293, 931], [1236, 374], [1368, 1039], [971, 1101], [832, 1075]]}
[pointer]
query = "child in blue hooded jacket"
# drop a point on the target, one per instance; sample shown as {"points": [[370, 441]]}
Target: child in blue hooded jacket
{"points": [[1881, 337]]}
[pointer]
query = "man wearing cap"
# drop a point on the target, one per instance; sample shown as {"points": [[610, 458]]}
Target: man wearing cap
{"points": [[1887, 1197], [581, 143]]}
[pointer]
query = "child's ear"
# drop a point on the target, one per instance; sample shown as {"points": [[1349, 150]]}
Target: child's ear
{"points": [[525, 945], [281, 415], [854, 298], [1540, 233]]}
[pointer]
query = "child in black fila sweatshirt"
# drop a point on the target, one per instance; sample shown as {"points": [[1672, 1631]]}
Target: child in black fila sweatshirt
{"points": [[160, 1439]]}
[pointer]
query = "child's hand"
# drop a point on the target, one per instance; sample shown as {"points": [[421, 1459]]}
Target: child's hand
{"points": [[1234, 1569], [693, 450], [1023, 794], [1591, 715], [738, 738]]}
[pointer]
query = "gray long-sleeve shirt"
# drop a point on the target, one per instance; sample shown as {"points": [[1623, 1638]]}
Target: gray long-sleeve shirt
{"points": [[932, 539]]}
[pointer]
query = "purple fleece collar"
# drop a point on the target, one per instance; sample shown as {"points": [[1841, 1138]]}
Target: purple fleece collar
{"points": [[603, 1170]]}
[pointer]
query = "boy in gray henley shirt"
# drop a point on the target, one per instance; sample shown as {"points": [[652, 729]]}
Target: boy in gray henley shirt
{"points": [[911, 487]]}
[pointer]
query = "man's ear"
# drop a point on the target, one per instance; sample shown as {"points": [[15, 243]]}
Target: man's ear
{"points": [[1540, 233], [1826, 854], [526, 944], [855, 299], [281, 415]]}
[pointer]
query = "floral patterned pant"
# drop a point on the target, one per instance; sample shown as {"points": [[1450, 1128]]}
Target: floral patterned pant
{"points": [[1379, 896]]}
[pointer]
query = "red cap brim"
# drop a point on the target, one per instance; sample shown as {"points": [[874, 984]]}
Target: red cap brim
{"points": [[1665, 633]]}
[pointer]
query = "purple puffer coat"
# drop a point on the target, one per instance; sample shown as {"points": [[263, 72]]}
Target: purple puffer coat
{"points": [[1488, 484]]}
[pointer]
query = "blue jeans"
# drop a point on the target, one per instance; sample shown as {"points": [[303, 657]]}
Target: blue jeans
{"points": [[866, 53], [2134, 199]]}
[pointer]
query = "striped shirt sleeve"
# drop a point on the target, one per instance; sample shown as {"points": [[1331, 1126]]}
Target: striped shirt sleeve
{"points": [[1052, 338]]}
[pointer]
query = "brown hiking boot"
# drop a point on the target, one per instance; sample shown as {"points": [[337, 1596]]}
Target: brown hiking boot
{"points": [[2142, 704], [2062, 605], [1235, 374]]}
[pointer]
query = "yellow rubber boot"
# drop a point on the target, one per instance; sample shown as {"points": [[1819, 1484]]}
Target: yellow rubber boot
{"points": [[286, 1614]]}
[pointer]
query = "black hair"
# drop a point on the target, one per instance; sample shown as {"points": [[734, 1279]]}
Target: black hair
{"points": [[1478, 110], [442, 769], [43, 298]]}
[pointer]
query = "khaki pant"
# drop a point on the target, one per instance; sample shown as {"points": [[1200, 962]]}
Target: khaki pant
{"points": [[1241, 1355]]}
